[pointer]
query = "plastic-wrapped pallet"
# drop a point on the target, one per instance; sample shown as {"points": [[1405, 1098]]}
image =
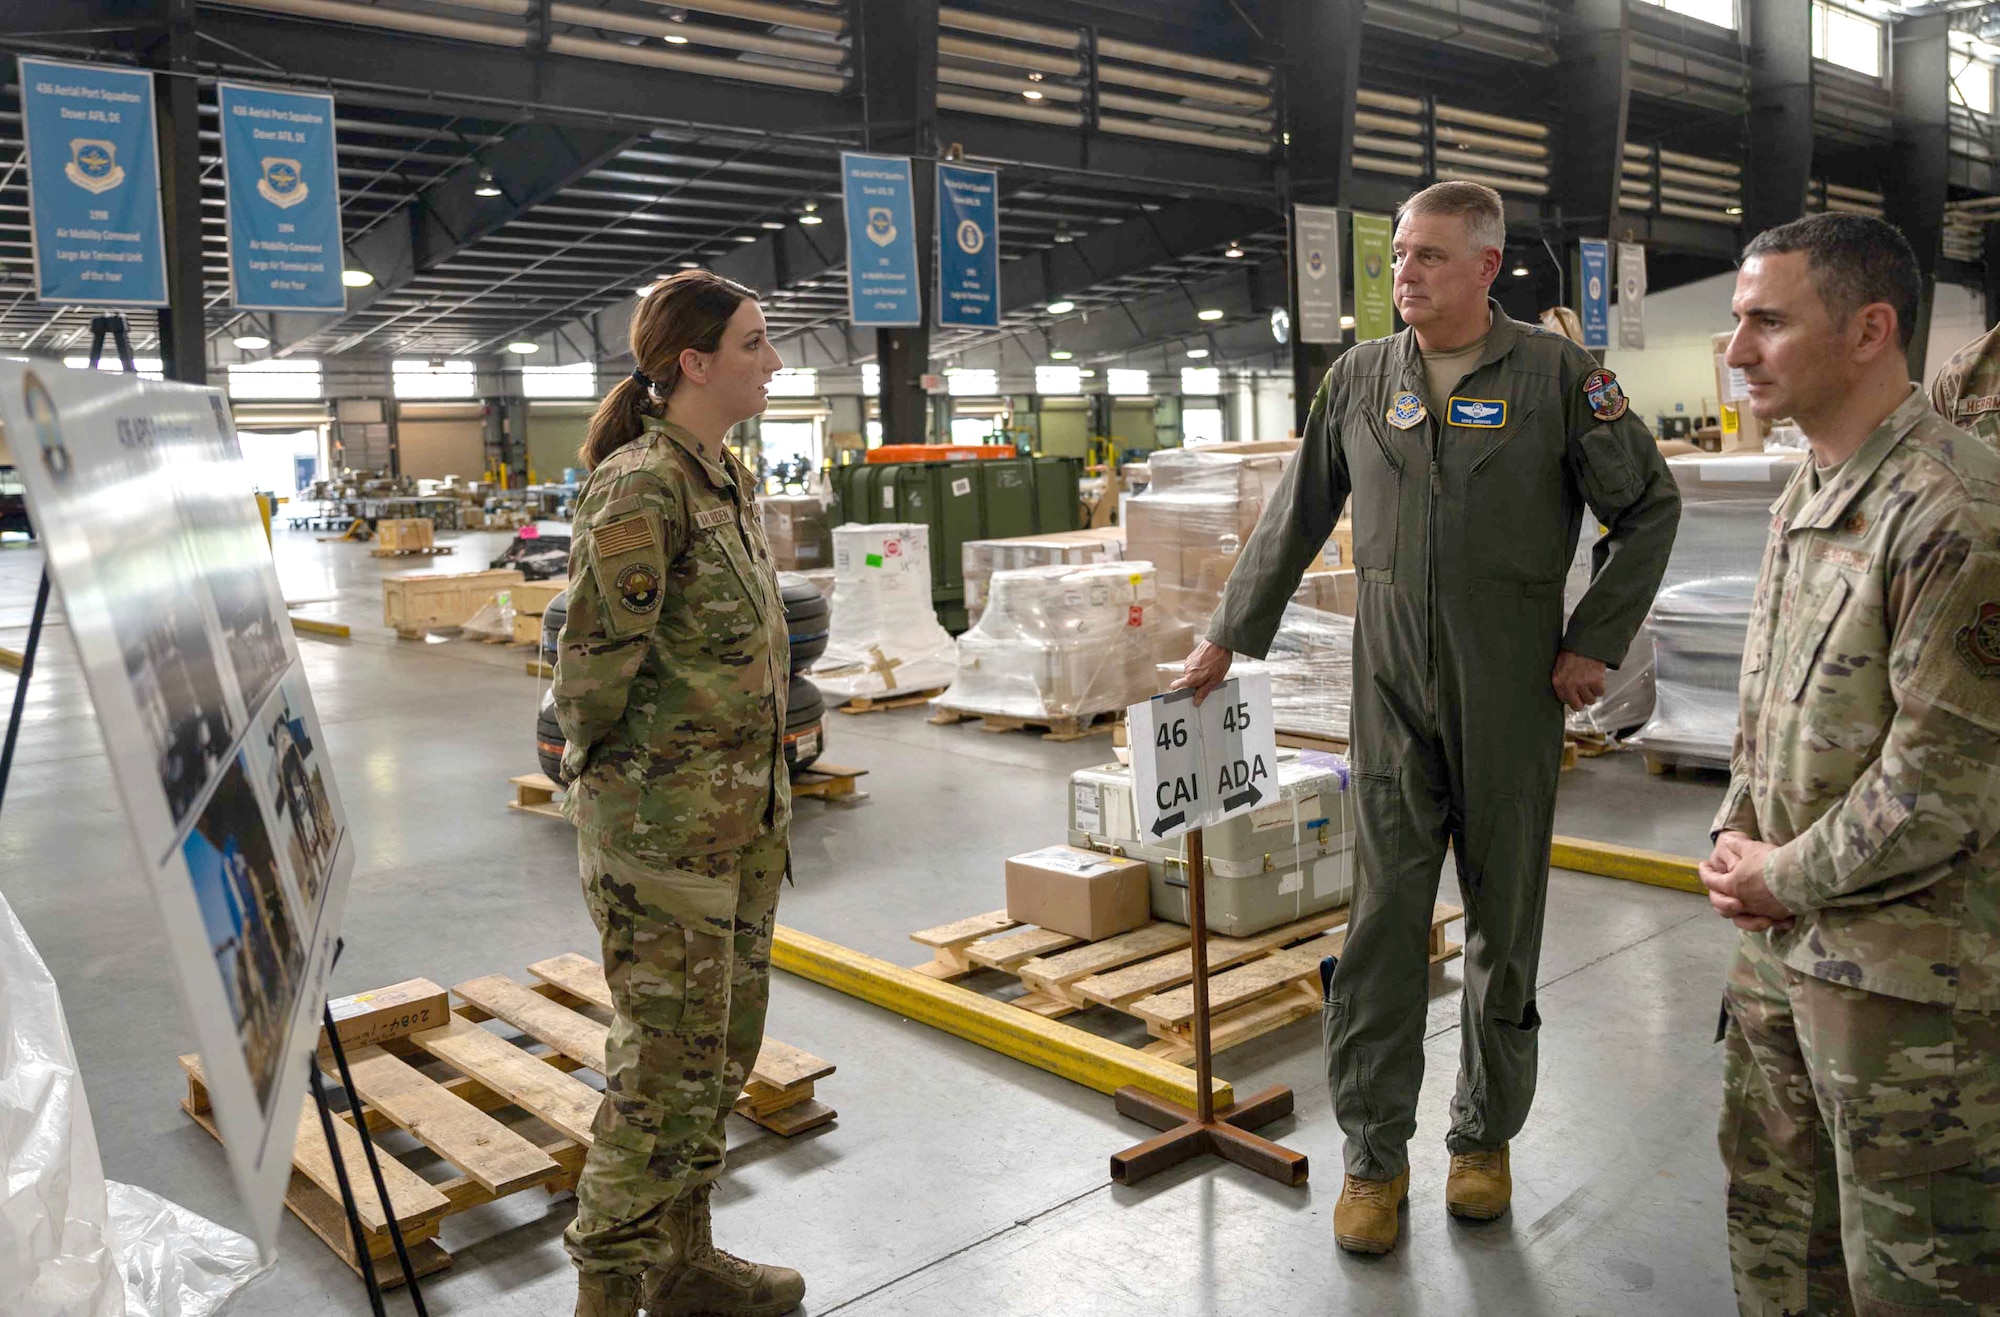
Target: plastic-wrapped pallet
{"points": [[884, 635], [1628, 688], [798, 528], [1702, 614], [1194, 518], [982, 558], [1066, 642], [1284, 861], [1311, 666]]}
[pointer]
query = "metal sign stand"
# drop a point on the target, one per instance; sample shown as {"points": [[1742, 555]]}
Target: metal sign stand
{"points": [[114, 327], [1191, 1134]]}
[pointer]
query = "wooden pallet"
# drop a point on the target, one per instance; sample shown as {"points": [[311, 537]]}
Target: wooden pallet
{"points": [[453, 1090], [904, 699], [1052, 729], [1660, 764], [428, 551], [830, 782], [1255, 984], [534, 793], [1333, 745]]}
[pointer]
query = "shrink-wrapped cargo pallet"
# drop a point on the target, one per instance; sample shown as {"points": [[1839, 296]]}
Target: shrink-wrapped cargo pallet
{"points": [[799, 529], [884, 636], [1066, 642], [1075, 548]]}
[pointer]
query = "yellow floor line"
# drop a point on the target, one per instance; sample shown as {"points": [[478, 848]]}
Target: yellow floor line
{"points": [[11, 659], [1061, 1049], [319, 628], [1627, 862]]}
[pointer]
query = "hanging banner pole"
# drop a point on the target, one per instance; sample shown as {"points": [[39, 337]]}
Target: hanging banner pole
{"points": [[93, 184]]}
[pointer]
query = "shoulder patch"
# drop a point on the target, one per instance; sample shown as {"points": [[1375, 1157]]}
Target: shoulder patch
{"points": [[1978, 641], [638, 588], [625, 535], [1960, 665], [1607, 400]]}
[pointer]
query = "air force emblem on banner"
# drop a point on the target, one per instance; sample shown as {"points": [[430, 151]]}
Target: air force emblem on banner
{"points": [[283, 183], [1407, 410], [1478, 413], [93, 165], [1607, 401], [881, 226]]}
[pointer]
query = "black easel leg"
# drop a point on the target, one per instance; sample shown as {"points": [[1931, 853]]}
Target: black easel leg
{"points": [[355, 1232], [360, 1113], [21, 684]]}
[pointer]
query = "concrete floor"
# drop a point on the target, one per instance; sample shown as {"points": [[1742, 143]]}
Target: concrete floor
{"points": [[956, 1180]]}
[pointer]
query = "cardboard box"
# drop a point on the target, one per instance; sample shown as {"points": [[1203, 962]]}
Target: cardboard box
{"points": [[1742, 432], [1085, 894], [1329, 592], [405, 533]]}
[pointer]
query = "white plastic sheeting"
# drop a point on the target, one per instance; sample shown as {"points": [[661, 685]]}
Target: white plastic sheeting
{"points": [[884, 635], [1061, 642], [71, 1245]]}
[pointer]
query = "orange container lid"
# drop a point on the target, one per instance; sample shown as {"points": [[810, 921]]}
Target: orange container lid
{"points": [[938, 452]]}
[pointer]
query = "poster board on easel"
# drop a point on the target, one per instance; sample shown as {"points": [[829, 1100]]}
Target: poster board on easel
{"points": [[152, 534]]}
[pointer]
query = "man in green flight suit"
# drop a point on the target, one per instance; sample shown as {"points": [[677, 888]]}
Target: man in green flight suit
{"points": [[1471, 444]]}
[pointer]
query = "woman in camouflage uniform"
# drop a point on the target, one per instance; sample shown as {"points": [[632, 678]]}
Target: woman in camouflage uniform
{"points": [[670, 687]]}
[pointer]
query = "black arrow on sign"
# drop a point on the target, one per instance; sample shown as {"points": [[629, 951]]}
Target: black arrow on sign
{"points": [[1247, 796], [1165, 823]]}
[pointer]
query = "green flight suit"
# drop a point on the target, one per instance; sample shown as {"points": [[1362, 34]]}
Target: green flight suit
{"points": [[1466, 513]]}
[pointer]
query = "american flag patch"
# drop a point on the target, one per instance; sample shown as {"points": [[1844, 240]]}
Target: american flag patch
{"points": [[714, 517], [624, 535]]}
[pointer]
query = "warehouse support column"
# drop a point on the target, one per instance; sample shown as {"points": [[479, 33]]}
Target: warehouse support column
{"points": [[1914, 183], [1781, 114], [1594, 50], [1989, 250], [899, 74], [1322, 41], [183, 331]]}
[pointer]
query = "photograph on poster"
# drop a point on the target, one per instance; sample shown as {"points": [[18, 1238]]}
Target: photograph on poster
{"points": [[288, 768], [227, 533], [234, 869]]}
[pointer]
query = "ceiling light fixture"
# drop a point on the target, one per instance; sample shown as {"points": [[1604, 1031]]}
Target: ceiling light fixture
{"points": [[675, 40], [1234, 253], [1060, 355], [689, 265], [1520, 272], [524, 348], [487, 187], [1347, 322], [1197, 354], [812, 219], [1733, 210], [356, 278], [252, 342], [1034, 77], [770, 224], [1062, 308], [1208, 313], [746, 237], [1031, 95]]}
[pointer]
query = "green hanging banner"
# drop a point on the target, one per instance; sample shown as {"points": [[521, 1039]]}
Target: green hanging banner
{"points": [[1374, 314]]}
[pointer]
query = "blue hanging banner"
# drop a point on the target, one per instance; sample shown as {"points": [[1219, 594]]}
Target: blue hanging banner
{"points": [[882, 287], [968, 225], [93, 184], [1595, 256], [284, 199]]}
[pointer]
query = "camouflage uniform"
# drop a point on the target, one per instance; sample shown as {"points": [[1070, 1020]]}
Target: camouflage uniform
{"points": [[1967, 391], [670, 684], [1861, 1121]]}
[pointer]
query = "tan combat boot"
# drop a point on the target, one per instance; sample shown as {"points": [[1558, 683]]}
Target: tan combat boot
{"points": [[1479, 1186], [707, 1282], [1364, 1220], [599, 1295]]}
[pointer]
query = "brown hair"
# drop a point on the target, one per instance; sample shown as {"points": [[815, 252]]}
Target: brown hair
{"points": [[689, 310]]}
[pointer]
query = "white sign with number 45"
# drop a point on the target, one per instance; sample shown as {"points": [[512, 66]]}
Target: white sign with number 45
{"points": [[1192, 767]]}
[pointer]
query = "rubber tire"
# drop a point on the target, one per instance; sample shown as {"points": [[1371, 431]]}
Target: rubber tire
{"points": [[804, 705], [807, 614], [552, 621], [549, 739], [792, 759]]}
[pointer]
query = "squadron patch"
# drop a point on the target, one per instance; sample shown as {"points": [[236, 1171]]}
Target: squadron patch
{"points": [[639, 588], [1607, 401], [1406, 411], [1979, 641]]}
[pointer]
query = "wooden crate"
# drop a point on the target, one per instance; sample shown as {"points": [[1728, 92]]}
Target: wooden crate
{"points": [[1255, 984], [505, 1114], [415, 603], [527, 627], [405, 533], [534, 596]]}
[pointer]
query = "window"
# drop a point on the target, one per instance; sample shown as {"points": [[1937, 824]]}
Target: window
{"points": [[793, 384], [284, 377], [577, 380], [1205, 381], [1201, 425], [1127, 383], [418, 378], [1058, 380], [972, 383], [1851, 40], [1722, 13], [150, 368], [977, 430], [871, 380], [1972, 83]]}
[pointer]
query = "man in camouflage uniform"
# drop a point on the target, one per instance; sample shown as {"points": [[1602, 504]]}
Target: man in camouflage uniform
{"points": [[1855, 848], [1967, 391], [670, 685]]}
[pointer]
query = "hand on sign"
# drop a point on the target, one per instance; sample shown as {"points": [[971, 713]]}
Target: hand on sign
{"points": [[1204, 670], [1579, 681]]}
